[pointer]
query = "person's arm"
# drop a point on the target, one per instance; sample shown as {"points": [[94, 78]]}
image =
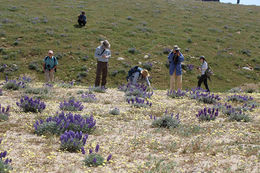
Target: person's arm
{"points": [[136, 76], [97, 52], [108, 55], [170, 57], [181, 57], [147, 81]]}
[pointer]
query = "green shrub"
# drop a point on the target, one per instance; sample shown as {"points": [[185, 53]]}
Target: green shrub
{"points": [[167, 121], [94, 160]]}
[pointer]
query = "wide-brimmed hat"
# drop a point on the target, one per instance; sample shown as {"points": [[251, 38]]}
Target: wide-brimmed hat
{"points": [[145, 73], [50, 52], [106, 44], [176, 47], [203, 57]]}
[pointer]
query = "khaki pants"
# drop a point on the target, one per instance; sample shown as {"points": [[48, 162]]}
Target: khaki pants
{"points": [[175, 79], [49, 76], [102, 68]]}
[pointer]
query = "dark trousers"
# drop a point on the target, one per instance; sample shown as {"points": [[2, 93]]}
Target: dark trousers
{"points": [[204, 79], [82, 22], [101, 69]]}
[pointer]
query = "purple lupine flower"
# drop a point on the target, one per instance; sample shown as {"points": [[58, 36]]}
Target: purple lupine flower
{"points": [[109, 157], [94, 160], [83, 150], [97, 148], [90, 151]]}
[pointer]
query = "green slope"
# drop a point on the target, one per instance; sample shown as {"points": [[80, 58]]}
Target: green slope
{"points": [[228, 35]]}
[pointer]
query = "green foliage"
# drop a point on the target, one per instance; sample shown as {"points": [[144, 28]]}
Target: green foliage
{"points": [[48, 128], [4, 168], [38, 91], [11, 86], [114, 111], [89, 160], [239, 116], [166, 122]]}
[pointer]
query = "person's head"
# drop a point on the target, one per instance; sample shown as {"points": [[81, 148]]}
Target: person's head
{"points": [[50, 53], [145, 73], [176, 48], [105, 44], [202, 59], [83, 13]]}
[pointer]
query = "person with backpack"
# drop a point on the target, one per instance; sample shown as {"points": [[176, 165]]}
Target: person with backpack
{"points": [[204, 77], [138, 75], [82, 19], [175, 58], [49, 66], [102, 55]]}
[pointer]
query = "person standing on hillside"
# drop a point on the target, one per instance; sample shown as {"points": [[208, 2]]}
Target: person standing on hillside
{"points": [[82, 19], [138, 75], [203, 78], [175, 58], [49, 66], [102, 54]]}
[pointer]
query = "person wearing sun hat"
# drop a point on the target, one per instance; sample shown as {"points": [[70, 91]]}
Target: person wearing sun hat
{"points": [[175, 59], [49, 66], [138, 75], [102, 54], [203, 78]]}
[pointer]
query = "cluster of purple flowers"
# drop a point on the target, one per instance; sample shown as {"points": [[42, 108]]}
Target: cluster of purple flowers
{"points": [[239, 98], [14, 84], [190, 67], [207, 114], [72, 141], [139, 102], [29, 105], [196, 92], [66, 85], [208, 98], [63, 122], [94, 159], [4, 112], [138, 90], [71, 105], [4, 162], [88, 97], [48, 85], [25, 79], [176, 94]]}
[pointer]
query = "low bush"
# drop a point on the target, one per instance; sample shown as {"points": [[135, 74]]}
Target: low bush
{"points": [[4, 113], [5, 166], [167, 121], [207, 114], [95, 159], [65, 122], [176, 94], [29, 105], [71, 105], [239, 98], [72, 141], [89, 98], [139, 102], [114, 111]]}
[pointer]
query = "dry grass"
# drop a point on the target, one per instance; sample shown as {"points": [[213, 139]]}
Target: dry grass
{"points": [[218, 146]]}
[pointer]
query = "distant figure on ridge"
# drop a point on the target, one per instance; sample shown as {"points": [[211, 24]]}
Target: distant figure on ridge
{"points": [[82, 19], [49, 66], [175, 58], [102, 54], [203, 78], [138, 75]]}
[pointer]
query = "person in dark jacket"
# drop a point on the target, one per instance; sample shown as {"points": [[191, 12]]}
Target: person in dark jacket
{"points": [[203, 78], [175, 58], [138, 75], [82, 19]]}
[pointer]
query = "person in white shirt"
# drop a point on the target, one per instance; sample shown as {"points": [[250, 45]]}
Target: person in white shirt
{"points": [[203, 78]]}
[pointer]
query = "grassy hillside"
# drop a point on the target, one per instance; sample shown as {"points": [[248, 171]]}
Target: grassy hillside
{"points": [[228, 35]]}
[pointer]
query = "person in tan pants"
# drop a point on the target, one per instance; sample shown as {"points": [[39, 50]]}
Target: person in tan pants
{"points": [[49, 66], [175, 58]]}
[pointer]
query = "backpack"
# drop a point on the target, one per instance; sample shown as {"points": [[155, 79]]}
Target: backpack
{"points": [[54, 62], [209, 72], [132, 71]]}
